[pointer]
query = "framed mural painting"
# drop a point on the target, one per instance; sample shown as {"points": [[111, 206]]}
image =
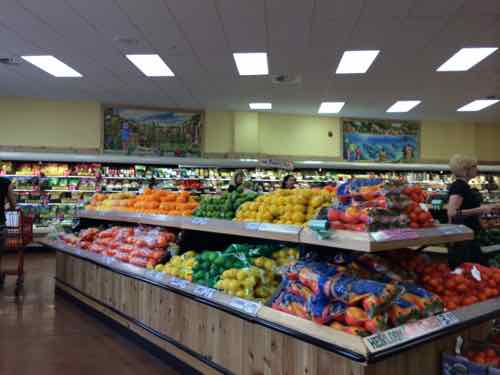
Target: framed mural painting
{"points": [[152, 132], [380, 140]]}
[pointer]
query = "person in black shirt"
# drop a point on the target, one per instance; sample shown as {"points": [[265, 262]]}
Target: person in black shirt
{"points": [[289, 182], [6, 196], [237, 181], [464, 207]]}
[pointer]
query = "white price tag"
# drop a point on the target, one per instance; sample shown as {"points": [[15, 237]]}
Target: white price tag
{"points": [[199, 221], [280, 228], [252, 226], [203, 291], [178, 283], [249, 307]]}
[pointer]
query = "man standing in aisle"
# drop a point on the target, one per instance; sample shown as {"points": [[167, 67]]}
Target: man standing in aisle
{"points": [[6, 196]]}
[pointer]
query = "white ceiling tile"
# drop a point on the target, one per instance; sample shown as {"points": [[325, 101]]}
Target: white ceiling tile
{"points": [[244, 24], [386, 9], [433, 8]]}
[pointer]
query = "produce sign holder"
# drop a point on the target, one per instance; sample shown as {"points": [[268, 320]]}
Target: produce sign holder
{"points": [[342, 239]]}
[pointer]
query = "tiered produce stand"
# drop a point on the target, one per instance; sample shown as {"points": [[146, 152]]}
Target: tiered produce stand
{"points": [[217, 333]]}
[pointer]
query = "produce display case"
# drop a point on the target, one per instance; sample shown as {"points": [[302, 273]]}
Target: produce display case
{"points": [[69, 180], [218, 333]]}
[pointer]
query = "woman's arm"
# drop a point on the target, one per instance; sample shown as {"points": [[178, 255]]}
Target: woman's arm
{"points": [[11, 198], [455, 202]]}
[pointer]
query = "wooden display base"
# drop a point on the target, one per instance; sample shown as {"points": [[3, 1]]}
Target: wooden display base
{"points": [[215, 341]]}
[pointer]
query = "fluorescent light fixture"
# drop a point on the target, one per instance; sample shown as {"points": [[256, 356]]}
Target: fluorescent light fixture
{"points": [[403, 106], [312, 162], [151, 65], [353, 62], [52, 65], [330, 107], [477, 105], [249, 160], [251, 63], [261, 105], [465, 59]]}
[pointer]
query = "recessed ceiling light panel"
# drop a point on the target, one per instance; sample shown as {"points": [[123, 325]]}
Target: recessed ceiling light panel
{"points": [[465, 59], [330, 107], [52, 65], [261, 105], [478, 105], [151, 65], [356, 62], [403, 106], [251, 63]]}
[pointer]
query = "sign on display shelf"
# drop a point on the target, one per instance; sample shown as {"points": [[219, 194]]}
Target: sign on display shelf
{"points": [[248, 307], [199, 221], [395, 235], [203, 291], [410, 331], [279, 228], [178, 283]]}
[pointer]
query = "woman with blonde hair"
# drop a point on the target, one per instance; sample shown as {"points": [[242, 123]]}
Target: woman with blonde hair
{"points": [[464, 207]]}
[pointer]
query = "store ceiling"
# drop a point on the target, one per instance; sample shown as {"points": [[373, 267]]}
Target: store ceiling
{"points": [[196, 38]]}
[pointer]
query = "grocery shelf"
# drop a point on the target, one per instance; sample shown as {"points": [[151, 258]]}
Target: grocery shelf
{"points": [[26, 190], [370, 349], [359, 241], [68, 191], [389, 239], [490, 249]]}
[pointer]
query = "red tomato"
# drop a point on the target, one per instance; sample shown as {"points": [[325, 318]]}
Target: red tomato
{"points": [[452, 306], [414, 225], [482, 296], [333, 214], [418, 210], [490, 352]]}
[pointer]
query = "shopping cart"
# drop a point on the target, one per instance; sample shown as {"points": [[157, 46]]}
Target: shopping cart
{"points": [[19, 233]]}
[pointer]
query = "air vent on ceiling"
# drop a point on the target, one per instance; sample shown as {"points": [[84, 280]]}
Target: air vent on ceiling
{"points": [[11, 60], [286, 79]]}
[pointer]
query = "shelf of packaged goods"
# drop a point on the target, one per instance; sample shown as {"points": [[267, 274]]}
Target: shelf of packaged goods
{"points": [[389, 239], [81, 269], [359, 241], [490, 249], [68, 191]]}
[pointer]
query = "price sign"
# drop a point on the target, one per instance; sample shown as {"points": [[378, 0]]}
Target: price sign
{"points": [[203, 291], [279, 228], [178, 283], [394, 235], [199, 221], [407, 332], [252, 226], [249, 307]]}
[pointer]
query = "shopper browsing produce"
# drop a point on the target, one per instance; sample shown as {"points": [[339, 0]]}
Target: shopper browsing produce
{"points": [[6, 196], [289, 182], [237, 181], [464, 207]]}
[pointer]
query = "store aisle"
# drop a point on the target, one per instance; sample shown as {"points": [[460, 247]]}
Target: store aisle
{"points": [[43, 334]]}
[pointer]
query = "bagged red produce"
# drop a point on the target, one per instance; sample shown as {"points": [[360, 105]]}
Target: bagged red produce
{"points": [[138, 261], [321, 309], [357, 331], [108, 233], [97, 248], [314, 275], [125, 249], [374, 295], [292, 272], [88, 234], [124, 257], [403, 310], [291, 304], [428, 303], [110, 252]]}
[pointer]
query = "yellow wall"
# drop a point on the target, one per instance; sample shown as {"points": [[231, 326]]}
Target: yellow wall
{"points": [[46, 123], [439, 140], [299, 135], [246, 132], [35, 123], [218, 132], [487, 139]]}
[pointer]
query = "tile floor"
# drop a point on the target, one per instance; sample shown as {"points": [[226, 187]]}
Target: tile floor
{"points": [[44, 334]]}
